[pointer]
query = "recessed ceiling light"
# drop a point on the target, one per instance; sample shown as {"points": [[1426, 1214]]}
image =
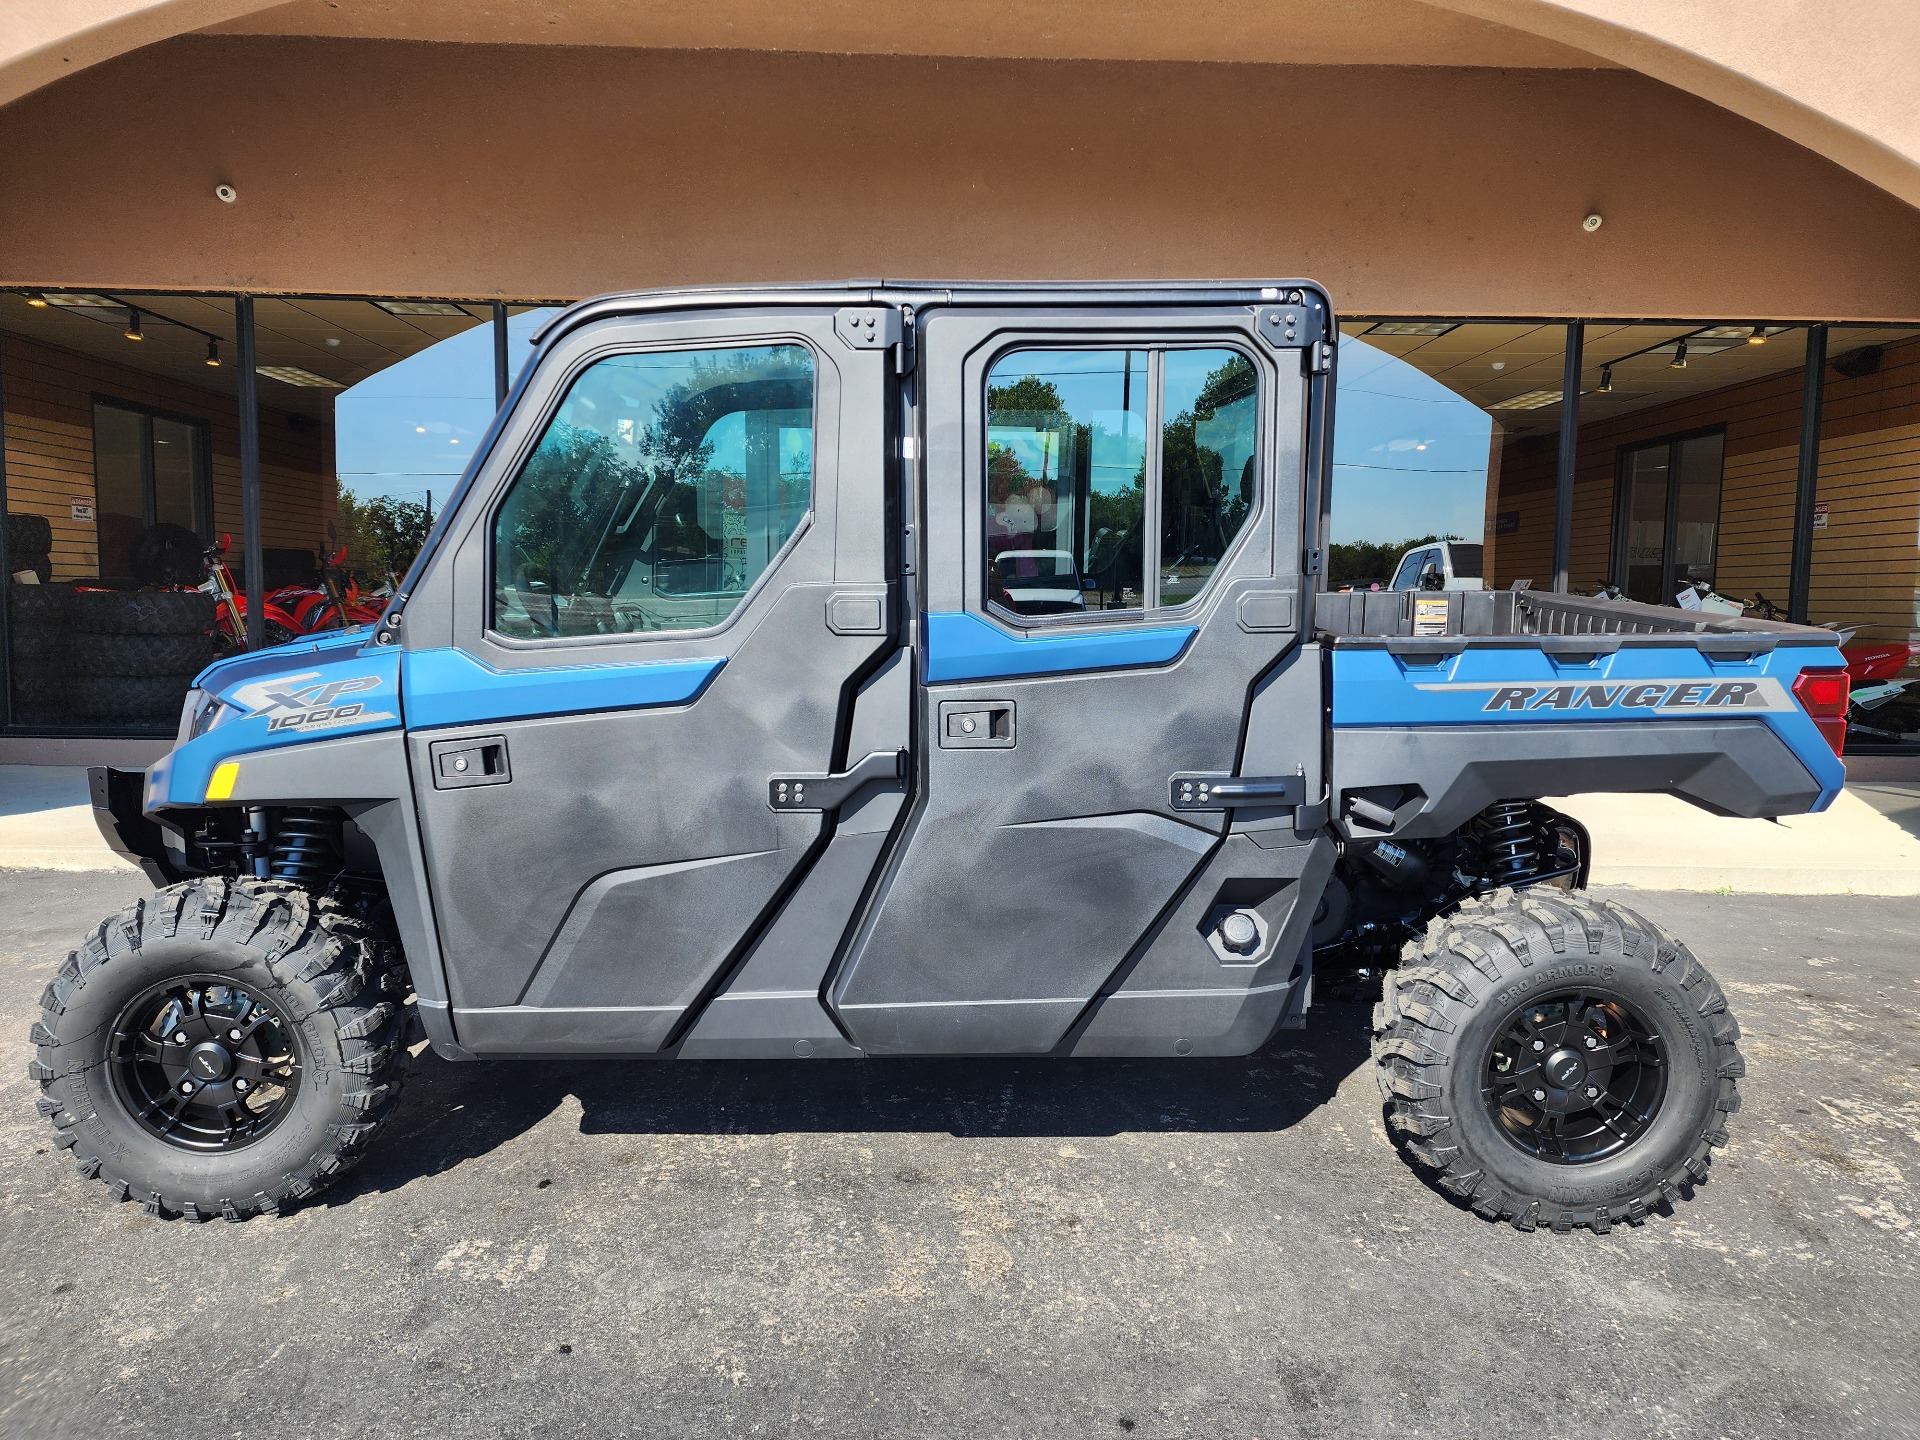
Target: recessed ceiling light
{"points": [[1528, 400], [1427, 328], [421, 307], [333, 342], [294, 375], [79, 300]]}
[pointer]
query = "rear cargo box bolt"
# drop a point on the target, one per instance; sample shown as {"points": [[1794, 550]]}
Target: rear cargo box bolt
{"points": [[240, 1084], [1593, 1092], [1592, 1044], [180, 1038], [186, 1087], [233, 1034], [1539, 1094], [1539, 1044]]}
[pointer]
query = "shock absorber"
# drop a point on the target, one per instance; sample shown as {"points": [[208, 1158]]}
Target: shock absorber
{"points": [[1509, 840], [305, 847]]}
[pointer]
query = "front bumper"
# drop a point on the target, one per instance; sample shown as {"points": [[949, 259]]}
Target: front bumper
{"points": [[119, 800]]}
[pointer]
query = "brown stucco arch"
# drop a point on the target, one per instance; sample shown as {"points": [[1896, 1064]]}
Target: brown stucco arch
{"points": [[1826, 74]]}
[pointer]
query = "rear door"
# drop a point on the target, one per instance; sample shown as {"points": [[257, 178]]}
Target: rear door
{"points": [[1111, 504], [659, 598]]}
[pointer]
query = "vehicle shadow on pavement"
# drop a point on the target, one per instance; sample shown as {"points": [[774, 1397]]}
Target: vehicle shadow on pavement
{"points": [[451, 1113]]}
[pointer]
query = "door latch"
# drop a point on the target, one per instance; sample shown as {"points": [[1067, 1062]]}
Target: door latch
{"points": [[830, 792]]}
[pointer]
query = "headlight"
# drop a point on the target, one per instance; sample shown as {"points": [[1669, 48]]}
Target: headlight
{"points": [[202, 713]]}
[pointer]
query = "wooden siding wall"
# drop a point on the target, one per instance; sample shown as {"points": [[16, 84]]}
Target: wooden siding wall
{"points": [[48, 394], [1866, 562]]}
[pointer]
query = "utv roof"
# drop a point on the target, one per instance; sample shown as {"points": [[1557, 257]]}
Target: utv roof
{"points": [[934, 292]]}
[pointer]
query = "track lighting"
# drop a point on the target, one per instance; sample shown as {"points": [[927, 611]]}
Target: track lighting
{"points": [[36, 300], [1759, 336], [1679, 361], [132, 331], [213, 352], [1606, 379]]}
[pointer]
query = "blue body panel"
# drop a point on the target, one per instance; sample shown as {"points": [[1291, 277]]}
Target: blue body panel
{"points": [[1520, 684], [962, 646], [339, 685], [450, 687], [284, 696]]}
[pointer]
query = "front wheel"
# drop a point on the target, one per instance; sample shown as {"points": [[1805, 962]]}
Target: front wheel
{"points": [[1556, 1060], [223, 1047]]}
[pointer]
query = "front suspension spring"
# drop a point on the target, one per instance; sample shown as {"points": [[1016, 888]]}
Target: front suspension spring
{"points": [[305, 847]]}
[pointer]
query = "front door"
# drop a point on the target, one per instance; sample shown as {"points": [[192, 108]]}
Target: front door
{"points": [[1109, 566], [664, 590]]}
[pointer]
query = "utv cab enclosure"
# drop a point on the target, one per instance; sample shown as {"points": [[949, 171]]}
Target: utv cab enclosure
{"points": [[875, 670]]}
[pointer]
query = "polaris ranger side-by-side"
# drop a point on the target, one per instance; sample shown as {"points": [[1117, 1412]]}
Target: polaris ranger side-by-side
{"points": [[883, 670]]}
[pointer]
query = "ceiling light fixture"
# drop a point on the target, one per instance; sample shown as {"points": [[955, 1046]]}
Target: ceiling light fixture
{"points": [[1530, 400], [1606, 379], [132, 332], [213, 352], [422, 307], [1425, 328], [1759, 336], [1679, 361], [36, 300], [294, 375]]}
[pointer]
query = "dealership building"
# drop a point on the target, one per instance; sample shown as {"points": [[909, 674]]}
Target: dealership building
{"points": [[1629, 291]]}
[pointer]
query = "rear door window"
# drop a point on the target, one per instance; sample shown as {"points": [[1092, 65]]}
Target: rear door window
{"points": [[1083, 514]]}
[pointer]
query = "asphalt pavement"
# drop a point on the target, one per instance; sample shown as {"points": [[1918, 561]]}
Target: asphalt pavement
{"points": [[994, 1248]]}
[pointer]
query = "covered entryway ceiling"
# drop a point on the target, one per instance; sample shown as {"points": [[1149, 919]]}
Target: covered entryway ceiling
{"points": [[1829, 74]]}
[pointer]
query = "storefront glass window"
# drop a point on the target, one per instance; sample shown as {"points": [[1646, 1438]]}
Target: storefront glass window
{"points": [[1444, 431]]}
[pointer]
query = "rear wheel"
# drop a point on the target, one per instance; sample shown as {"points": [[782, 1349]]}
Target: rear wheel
{"points": [[224, 1047], [1556, 1060]]}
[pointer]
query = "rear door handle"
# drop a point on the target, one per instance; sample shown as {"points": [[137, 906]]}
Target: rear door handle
{"points": [[1193, 791], [830, 792]]}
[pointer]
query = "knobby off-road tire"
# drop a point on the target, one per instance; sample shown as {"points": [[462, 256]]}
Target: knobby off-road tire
{"points": [[1454, 1040], [334, 987]]}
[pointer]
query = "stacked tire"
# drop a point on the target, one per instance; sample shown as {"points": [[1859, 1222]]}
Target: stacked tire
{"points": [[132, 655], [40, 615], [30, 546]]}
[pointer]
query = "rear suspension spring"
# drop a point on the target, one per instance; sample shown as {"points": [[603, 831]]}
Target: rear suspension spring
{"points": [[306, 847], [1510, 841]]}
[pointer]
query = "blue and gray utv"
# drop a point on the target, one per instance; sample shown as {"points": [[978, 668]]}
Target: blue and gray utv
{"points": [[872, 670]]}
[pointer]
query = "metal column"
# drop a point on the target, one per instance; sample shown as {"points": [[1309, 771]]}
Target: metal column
{"points": [[1813, 392], [500, 376], [250, 530], [1569, 454]]}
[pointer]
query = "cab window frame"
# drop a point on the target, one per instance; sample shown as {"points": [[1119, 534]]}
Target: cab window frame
{"points": [[1156, 346], [536, 433]]}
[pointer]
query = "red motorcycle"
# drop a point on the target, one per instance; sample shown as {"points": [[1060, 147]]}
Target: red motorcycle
{"points": [[1869, 662], [289, 611]]}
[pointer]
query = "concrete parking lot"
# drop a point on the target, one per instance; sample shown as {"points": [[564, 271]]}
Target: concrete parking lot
{"points": [[1217, 1248]]}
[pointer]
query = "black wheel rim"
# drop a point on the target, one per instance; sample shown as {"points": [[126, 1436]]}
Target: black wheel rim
{"points": [[1575, 1077], [204, 1064]]}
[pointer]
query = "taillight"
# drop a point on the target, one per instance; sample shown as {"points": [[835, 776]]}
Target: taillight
{"points": [[1822, 693]]}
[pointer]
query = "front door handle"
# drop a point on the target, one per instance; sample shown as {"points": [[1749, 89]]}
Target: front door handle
{"points": [[478, 761], [830, 792]]}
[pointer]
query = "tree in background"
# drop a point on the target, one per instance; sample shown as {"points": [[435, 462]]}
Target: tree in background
{"points": [[382, 535]]}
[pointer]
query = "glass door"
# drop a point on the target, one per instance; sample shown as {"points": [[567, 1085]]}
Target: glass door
{"points": [[1668, 530]]}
